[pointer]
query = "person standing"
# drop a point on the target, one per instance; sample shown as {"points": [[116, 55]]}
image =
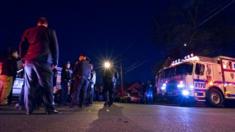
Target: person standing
{"points": [[109, 80], [6, 82], [81, 74], [7, 76], [149, 93], [66, 75], [41, 52], [12, 66], [91, 87]]}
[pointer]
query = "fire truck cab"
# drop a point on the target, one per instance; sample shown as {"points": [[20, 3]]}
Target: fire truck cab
{"points": [[204, 79]]}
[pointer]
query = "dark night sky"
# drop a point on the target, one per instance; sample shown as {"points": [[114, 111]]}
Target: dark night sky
{"points": [[118, 29]]}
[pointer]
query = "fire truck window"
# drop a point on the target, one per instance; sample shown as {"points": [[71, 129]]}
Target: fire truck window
{"points": [[184, 69], [169, 72], [200, 69]]}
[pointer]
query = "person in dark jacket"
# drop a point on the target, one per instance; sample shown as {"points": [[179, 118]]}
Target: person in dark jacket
{"points": [[7, 76], [81, 74], [40, 53], [109, 81], [66, 75], [12, 65]]}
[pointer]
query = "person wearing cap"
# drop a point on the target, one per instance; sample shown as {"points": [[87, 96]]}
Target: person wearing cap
{"points": [[39, 50]]}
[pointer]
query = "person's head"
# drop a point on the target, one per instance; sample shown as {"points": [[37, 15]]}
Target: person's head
{"points": [[68, 65], [42, 21], [15, 54], [82, 58]]}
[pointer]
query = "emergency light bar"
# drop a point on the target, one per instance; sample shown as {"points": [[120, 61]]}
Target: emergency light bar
{"points": [[190, 57]]}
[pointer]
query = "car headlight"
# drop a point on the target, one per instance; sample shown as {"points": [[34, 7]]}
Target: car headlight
{"points": [[191, 87]]}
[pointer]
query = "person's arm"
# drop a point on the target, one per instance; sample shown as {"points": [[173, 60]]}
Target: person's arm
{"points": [[54, 48]]}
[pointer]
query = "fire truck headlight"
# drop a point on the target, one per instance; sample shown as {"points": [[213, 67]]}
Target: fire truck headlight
{"points": [[185, 93], [163, 86], [191, 87], [181, 84]]}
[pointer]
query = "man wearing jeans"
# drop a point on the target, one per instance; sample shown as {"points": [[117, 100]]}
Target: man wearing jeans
{"points": [[81, 74], [39, 50]]}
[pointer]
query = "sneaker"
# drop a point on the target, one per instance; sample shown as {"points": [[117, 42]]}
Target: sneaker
{"points": [[28, 113], [105, 104], [18, 106], [50, 112]]}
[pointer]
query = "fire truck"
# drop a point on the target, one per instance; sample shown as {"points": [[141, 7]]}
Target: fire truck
{"points": [[198, 78]]}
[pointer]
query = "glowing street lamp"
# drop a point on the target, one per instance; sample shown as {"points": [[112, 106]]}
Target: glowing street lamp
{"points": [[107, 65]]}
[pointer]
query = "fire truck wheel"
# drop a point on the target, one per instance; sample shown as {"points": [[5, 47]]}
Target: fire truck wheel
{"points": [[214, 98]]}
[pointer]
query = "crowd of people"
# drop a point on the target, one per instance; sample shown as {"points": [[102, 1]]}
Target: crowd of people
{"points": [[78, 83], [39, 54]]}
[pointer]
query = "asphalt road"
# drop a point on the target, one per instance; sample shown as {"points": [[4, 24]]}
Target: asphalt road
{"points": [[121, 118]]}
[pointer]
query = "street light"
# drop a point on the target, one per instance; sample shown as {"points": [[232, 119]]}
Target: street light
{"points": [[107, 65]]}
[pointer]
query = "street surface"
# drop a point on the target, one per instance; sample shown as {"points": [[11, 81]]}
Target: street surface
{"points": [[121, 118]]}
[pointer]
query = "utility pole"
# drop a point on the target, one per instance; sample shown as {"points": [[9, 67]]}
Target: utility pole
{"points": [[121, 77]]}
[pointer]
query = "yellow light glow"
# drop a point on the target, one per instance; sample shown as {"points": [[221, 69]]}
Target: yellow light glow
{"points": [[107, 64], [211, 83]]}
